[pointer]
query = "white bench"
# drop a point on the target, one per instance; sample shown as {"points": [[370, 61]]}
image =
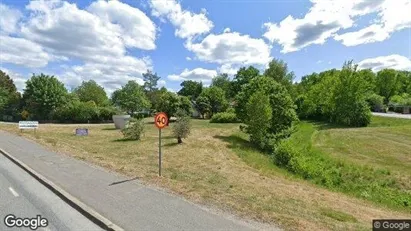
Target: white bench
{"points": [[28, 125]]}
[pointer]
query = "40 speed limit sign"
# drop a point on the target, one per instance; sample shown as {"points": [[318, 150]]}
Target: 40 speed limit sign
{"points": [[161, 121]]}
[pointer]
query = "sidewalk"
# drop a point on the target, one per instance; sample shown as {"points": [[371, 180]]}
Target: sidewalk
{"points": [[129, 204]]}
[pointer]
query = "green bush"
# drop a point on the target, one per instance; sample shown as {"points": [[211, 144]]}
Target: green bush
{"points": [[224, 117], [375, 102], [106, 113], [134, 130], [182, 126]]}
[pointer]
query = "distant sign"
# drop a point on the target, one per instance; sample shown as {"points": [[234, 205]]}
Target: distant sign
{"points": [[161, 120], [28, 125], [81, 131]]}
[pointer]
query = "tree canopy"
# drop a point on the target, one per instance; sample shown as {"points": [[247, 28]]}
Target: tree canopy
{"points": [[91, 91], [131, 98], [191, 88]]}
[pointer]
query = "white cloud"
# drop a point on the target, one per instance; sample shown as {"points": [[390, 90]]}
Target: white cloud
{"points": [[136, 29], [17, 78], [8, 19], [97, 36], [394, 61], [231, 48], [188, 58], [393, 16], [325, 18], [188, 24], [370, 34], [227, 30], [229, 69], [197, 74], [21, 51], [161, 83]]}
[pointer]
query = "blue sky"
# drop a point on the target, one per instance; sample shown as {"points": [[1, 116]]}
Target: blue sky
{"points": [[116, 41]]}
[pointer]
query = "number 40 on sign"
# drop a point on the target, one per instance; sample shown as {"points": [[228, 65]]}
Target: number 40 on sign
{"points": [[161, 121]]}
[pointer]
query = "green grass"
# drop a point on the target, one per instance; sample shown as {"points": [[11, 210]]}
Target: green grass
{"points": [[379, 121], [338, 215]]}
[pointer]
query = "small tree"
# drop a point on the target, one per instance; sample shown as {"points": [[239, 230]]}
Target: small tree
{"points": [[182, 127], [134, 130]]}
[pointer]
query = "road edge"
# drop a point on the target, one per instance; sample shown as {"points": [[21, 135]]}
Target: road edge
{"points": [[82, 208]]}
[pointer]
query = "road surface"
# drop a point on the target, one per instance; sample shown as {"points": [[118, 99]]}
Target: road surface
{"points": [[393, 115], [24, 197]]}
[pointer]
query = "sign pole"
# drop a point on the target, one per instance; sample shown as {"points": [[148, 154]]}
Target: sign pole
{"points": [[159, 152]]}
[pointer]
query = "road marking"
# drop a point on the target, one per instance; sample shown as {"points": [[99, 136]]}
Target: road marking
{"points": [[13, 192]]}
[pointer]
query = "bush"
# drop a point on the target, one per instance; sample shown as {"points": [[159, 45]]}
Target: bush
{"points": [[376, 102], [182, 126], [106, 113], [224, 117], [134, 130]]}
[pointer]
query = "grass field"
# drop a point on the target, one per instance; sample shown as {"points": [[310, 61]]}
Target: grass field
{"points": [[216, 166]]}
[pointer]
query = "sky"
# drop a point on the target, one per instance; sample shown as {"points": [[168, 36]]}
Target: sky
{"points": [[113, 42]]}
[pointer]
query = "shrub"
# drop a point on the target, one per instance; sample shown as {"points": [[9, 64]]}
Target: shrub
{"points": [[134, 130], [106, 113], [375, 102], [224, 117], [182, 126]]}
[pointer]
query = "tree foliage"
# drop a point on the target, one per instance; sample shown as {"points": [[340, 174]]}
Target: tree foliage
{"points": [[203, 105], [223, 81], [387, 83], [9, 97], [182, 126], [91, 91], [150, 81], [42, 95], [216, 98], [191, 89], [131, 98], [278, 70]]}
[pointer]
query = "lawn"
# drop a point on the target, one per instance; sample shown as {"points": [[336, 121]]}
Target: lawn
{"points": [[217, 167]]}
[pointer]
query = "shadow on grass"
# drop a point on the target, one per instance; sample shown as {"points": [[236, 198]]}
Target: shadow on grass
{"points": [[171, 144], [235, 141], [109, 129], [123, 140], [322, 125]]}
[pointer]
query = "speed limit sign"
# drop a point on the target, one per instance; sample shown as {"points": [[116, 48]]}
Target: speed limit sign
{"points": [[161, 120]]}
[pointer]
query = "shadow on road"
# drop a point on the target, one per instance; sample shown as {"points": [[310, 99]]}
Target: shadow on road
{"points": [[123, 181]]}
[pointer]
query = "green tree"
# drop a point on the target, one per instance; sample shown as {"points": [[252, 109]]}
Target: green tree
{"points": [[150, 81], [91, 91], [9, 97], [216, 97], [351, 107], [223, 81], [278, 70], [131, 98], [43, 94], [182, 126], [387, 83], [191, 89], [243, 76], [203, 105], [168, 103], [282, 109], [259, 116], [185, 105]]}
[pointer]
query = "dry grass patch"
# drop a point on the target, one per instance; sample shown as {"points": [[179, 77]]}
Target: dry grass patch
{"points": [[215, 167]]}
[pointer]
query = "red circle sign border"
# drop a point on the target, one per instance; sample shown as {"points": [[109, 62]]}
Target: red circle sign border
{"points": [[164, 116]]}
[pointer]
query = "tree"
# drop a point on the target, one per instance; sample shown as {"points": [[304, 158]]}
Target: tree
{"points": [[259, 115], [43, 94], [182, 127], [223, 81], [203, 105], [131, 98], [91, 91], [185, 105], [282, 109], [244, 76], [278, 70], [150, 81], [9, 97], [387, 83], [216, 97], [168, 103], [191, 89]]}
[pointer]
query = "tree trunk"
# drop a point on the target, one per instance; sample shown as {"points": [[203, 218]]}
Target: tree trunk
{"points": [[179, 140]]}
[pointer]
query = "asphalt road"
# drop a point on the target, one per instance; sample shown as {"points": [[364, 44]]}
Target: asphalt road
{"points": [[24, 197], [393, 115]]}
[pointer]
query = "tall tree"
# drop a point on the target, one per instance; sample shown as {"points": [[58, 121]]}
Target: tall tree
{"points": [[131, 98], [216, 97], [91, 91], [9, 97], [191, 89], [43, 94], [150, 81], [387, 83], [278, 70], [223, 81], [244, 76]]}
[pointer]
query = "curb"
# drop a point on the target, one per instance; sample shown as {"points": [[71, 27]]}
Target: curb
{"points": [[85, 210]]}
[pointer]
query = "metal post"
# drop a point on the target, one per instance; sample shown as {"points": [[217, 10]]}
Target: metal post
{"points": [[159, 152]]}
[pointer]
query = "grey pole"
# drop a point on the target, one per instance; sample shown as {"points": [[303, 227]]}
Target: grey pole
{"points": [[159, 152]]}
